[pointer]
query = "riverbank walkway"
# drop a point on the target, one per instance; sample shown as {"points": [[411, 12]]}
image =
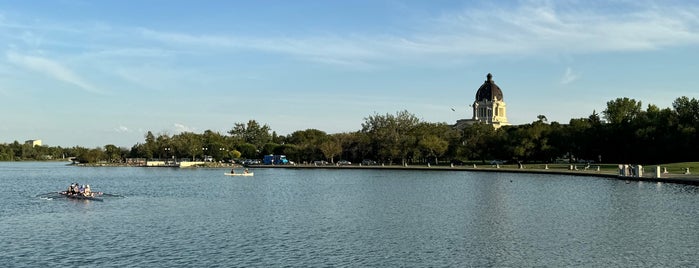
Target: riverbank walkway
{"points": [[553, 169]]}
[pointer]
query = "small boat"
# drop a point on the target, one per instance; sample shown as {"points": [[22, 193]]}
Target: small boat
{"points": [[249, 174], [80, 196]]}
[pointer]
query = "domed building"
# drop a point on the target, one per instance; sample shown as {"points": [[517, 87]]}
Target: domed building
{"points": [[489, 106]]}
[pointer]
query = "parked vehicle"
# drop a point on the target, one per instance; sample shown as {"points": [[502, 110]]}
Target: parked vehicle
{"points": [[344, 162], [320, 162], [250, 162], [457, 162], [275, 159], [368, 162]]}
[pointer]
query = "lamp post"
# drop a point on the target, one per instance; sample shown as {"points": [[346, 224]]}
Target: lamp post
{"points": [[167, 150], [203, 151], [221, 152]]}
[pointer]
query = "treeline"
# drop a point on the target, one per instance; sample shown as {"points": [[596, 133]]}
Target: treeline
{"points": [[625, 132], [26, 152]]}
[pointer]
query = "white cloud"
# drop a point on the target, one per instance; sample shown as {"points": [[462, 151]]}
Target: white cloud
{"points": [[179, 128], [547, 28], [569, 76], [532, 28], [522, 28], [122, 129], [52, 69]]}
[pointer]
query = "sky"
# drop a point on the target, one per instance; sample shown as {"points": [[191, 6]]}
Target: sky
{"points": [[91, 73]]}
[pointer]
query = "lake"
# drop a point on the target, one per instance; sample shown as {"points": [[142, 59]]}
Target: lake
{"points": [[169, 217]]}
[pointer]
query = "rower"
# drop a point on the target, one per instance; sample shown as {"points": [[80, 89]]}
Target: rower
{"points": [[87, 192], [232, 171], [73, 189]]}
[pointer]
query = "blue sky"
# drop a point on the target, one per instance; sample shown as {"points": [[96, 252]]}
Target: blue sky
{"points": [[91, 73]]}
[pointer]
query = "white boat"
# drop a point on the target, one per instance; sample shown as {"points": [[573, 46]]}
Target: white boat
{"points": [[250, 174]]}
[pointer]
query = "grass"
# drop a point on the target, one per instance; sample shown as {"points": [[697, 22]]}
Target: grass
{"points": [[680, 167], [674, 168]]}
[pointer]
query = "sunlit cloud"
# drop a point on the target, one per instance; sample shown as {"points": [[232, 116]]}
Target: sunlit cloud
{"points": [[179, 128], [532, 28], [51, 69], [569, 76], [535, 28], [527, 28]]}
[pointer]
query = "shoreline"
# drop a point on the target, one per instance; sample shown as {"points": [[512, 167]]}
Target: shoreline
{"points": [[648, 177], [690, 179]]}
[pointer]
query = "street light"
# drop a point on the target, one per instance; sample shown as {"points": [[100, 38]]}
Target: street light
{"points": [[203, 151], [167, 150], [220, 150]]}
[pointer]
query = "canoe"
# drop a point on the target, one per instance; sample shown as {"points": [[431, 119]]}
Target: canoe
{"points": [[80, 197], [240, 174]]}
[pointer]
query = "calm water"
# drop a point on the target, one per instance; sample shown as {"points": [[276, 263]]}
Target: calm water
{"points": [[329, 218]]}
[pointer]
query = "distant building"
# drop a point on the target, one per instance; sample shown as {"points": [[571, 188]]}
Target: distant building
{"points": [[33, 143], [488, 108]]}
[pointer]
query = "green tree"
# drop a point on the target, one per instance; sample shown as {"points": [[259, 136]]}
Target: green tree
{"points": [[91, 155], [435, 146], [189, 144], [248, 150], [476, 141], [252, 133], [308, 142], [330, 149], [391, 135], [622, 110], [687, 111], [234, 154], [112, 153]]}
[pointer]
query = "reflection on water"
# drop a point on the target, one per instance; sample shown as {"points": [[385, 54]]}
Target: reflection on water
{"points": [[199, 217]]}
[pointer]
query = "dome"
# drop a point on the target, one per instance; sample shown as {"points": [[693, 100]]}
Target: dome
{"points": [[489, 90]]}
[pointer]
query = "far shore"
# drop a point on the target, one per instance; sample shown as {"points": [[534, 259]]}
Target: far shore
{"points": [[554, 169], [603, 171]]}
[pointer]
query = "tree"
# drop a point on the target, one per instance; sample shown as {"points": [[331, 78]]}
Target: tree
{"points": [[269, 148], [112, 153], [434, 146], [476, 139], [622, 110], [687, 111], [594, 118], [234, 154], [308, 142], [330, 149], [252, 133], [248, 150], [188, 144], [150, 146], [391, 136], [91, 156]]}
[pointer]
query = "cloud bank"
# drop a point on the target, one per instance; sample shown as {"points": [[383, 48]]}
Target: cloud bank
{"points": [[51, 69], [532, 28]]}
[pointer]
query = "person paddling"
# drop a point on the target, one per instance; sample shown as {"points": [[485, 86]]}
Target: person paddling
{"points": [[70, 189]]}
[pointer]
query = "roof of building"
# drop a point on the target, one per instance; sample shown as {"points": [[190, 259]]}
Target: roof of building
{"points": [[489, 90]]}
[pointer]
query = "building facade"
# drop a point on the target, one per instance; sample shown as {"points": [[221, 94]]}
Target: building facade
{"points": [[488, 108], [33, 142]]}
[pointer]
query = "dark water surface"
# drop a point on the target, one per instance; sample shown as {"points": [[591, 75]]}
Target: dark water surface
{"points": [[328, 218]]}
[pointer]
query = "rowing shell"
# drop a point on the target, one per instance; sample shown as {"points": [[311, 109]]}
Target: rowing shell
{"points": [[240, 174], [82, 197]]}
